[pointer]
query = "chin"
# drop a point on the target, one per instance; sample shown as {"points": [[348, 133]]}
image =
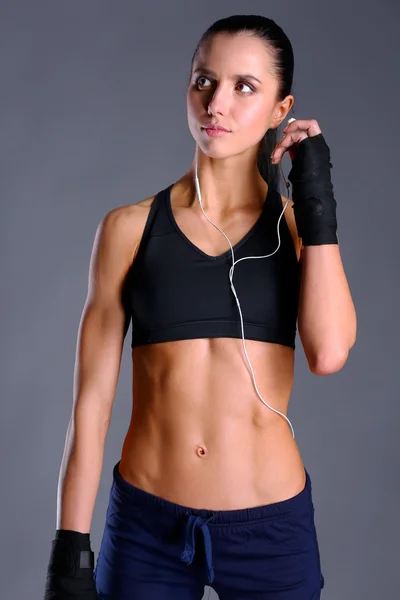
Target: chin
{"points": [[218, 148], [214, 147]]}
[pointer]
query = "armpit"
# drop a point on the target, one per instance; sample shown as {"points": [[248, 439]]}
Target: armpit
{"points": [[290, 220]]}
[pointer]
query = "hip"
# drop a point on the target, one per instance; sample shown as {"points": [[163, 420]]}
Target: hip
{"points": [[150, 542]]}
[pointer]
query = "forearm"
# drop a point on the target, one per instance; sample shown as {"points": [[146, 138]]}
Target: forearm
{"points": [[327, 318], [80, 470]]}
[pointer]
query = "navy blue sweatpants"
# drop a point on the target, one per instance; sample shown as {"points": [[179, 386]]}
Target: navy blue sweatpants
{"points": [[154, 549]]}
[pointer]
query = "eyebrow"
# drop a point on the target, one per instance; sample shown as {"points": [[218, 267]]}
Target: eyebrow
{"points": [[238, 76]]}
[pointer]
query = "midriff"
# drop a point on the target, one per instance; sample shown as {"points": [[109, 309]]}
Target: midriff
{"points": [[199, 434]]}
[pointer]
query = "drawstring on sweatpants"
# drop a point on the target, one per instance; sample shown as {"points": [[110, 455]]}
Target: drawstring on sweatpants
{"points": [[188, 554]]}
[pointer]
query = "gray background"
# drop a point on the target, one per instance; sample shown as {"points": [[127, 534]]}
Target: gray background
{"points": [[93, 116]]}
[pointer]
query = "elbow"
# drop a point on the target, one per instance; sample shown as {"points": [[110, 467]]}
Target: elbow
{"points": [[328, 363], [333, 356]]}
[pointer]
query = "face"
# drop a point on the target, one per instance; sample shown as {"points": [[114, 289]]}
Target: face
{"points": [[233, 77]]}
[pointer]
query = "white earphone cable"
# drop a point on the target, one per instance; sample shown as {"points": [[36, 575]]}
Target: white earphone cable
{"points": [[231, 278]]}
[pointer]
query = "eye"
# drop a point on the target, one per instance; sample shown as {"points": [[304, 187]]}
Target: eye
{"points": [[198, 79], [239, 83], [248, 85]]}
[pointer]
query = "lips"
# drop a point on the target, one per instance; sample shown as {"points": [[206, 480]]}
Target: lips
{"points": [[216, 128]]}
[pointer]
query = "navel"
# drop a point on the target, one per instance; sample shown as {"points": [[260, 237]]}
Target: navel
{"points": [[201, 450]]}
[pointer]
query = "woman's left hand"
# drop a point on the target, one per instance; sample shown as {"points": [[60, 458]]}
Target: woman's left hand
{"points": [[295, 132]]}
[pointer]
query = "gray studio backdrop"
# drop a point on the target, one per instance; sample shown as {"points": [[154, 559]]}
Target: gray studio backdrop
{"points": [[93, 116]]}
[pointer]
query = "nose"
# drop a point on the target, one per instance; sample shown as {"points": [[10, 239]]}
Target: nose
{"points": [[220, 101]]}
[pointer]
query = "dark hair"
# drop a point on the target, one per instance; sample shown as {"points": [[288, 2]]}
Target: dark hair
{"points": [[283, 64]]}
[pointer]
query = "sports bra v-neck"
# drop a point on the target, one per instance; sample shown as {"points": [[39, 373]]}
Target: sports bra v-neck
{"points": [[186, 239]]}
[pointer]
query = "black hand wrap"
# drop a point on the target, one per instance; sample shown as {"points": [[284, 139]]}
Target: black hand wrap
{"points": [[312, 193], [70, 569]]}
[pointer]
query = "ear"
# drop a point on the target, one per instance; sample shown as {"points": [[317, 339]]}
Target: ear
{"points": [[282, 110]]}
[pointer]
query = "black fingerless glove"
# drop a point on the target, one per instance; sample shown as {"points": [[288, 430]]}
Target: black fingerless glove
{"points": [[70, 570], [314, 205]]}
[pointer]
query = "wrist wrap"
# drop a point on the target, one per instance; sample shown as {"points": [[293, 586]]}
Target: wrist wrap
{"points": [[314, 204], [70, 569]]}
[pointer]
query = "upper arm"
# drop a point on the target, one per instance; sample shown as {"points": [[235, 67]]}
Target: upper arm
{"points": [[101, 330]]}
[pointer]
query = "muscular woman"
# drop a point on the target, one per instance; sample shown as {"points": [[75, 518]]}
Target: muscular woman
{"points": [[210, 487]]}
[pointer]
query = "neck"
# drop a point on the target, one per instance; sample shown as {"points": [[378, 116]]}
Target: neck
{"points": [[226, 184]]}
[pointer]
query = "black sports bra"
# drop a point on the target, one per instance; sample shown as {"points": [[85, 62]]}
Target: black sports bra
{"points": [[175, 291]]}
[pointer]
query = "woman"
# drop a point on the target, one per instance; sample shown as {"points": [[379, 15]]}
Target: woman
{"points": [[210, 488]]}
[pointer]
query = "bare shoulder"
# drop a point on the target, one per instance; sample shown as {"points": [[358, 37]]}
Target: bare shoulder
{"points": [[290, 220], [125, 225]]}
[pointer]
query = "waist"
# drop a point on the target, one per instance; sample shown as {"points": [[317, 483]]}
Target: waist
{"points": [[231, 467], [149, 500]]}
